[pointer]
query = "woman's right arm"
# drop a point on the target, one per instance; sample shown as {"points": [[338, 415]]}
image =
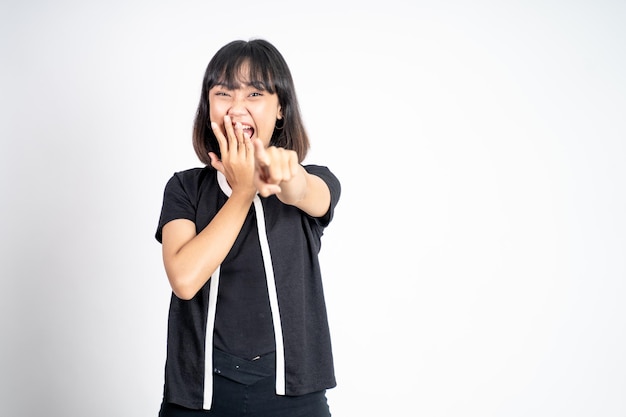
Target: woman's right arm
{"points": [[189, 258]]}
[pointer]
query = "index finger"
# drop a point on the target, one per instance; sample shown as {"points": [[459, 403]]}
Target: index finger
{"points": [[262, 159]]}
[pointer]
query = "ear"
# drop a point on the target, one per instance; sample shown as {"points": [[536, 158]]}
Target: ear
{"points": [[279, 115]]}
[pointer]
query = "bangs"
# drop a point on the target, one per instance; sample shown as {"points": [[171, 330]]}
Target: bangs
{"points": [[242, 67]]}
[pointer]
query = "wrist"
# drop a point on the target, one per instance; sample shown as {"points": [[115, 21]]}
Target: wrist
{"points": [[244, 196]]}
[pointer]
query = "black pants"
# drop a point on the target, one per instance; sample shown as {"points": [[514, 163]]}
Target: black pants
{"points": [[247, 388]]}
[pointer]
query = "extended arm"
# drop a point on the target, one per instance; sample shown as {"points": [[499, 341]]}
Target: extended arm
{"points": [[278, 172]]}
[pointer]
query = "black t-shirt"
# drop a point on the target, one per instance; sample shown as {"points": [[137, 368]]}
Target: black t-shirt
{"points": [[243, 321]]}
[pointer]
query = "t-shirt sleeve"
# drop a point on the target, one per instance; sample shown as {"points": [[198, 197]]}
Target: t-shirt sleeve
{"points": [[177, 204], [333, 185]]}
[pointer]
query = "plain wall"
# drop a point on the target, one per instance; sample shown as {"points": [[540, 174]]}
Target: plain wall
{"points": [[476, 264]]}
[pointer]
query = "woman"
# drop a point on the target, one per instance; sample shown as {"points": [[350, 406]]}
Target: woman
{"points": [[247, 331]]}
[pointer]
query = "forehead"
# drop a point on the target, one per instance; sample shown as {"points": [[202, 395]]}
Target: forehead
{"points": [[242, 73], [238, 77]]}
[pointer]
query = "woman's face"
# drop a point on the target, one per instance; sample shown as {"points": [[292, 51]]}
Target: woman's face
{"points": [[255, 109]]}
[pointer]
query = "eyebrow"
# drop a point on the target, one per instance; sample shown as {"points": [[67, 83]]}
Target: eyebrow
{"points": [[226, 84], [254, 85]]}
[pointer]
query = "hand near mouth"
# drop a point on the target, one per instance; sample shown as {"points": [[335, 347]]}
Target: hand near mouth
{"points": [[237, 156]]}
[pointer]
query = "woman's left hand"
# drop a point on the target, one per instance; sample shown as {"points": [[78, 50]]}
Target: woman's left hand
{"points": [[274, 167]]}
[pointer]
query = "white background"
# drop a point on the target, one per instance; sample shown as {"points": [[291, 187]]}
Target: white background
{"points": [[477, 262]]}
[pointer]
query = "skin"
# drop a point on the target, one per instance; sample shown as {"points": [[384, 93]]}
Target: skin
{"points": [[243, 120]]}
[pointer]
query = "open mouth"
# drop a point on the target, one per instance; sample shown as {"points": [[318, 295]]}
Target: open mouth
{"points": [[248, 130]]}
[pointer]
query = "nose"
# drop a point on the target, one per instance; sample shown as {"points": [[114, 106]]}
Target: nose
{"points": [[237, 106]]}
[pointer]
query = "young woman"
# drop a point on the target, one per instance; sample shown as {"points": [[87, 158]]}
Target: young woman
{"points": [[247, 330]]}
